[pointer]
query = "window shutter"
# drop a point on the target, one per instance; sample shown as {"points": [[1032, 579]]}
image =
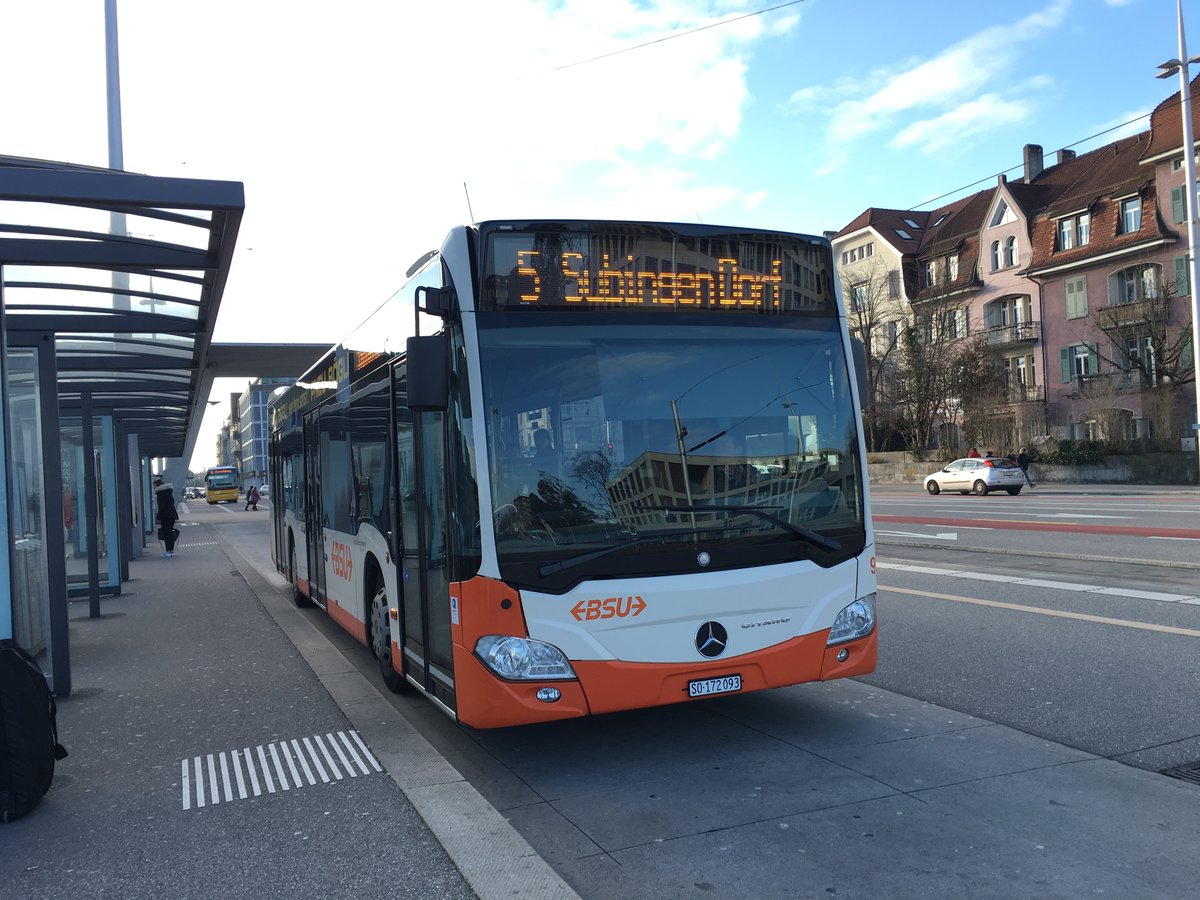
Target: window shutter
{"points": [[1186, 360], [1182, 288], [1178, 203], [1093, 359], [1064, 357]]}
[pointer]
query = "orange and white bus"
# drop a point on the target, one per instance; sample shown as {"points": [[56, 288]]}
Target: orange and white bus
{"points": [[578, 467]]}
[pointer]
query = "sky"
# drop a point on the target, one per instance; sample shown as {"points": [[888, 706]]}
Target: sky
{"points": [[364, 130]]}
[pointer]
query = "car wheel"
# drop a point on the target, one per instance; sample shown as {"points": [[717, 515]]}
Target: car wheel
{"points": [[1014, 491], [980, 488], [932, 487], [381, 641], [298, 598]]}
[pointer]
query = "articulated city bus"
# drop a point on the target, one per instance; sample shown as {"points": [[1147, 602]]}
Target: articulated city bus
{"points": [[221, 484], [579, 467]]}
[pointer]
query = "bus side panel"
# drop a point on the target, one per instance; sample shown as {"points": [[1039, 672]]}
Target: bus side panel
{"points": [[343, 565], [293, 529]]}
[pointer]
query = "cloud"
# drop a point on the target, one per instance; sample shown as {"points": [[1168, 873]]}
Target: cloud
{"points": [[967, 120], [948, 88]]}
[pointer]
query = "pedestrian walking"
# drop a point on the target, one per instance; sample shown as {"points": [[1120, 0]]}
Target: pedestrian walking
{"points": [[252, 497], [167, 516], [1023, 462]]}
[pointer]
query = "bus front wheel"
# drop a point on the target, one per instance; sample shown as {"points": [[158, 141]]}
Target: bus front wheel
{"points": [[381, 640]]}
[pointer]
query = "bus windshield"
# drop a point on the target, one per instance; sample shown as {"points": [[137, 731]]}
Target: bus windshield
{"points": [[669, 439]]}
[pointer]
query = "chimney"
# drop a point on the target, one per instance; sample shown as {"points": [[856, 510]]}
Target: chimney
{"points": [[1065, 156], [1033, 162]]}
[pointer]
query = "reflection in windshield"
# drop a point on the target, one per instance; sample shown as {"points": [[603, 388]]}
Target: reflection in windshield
{"points": [[597, 433]]}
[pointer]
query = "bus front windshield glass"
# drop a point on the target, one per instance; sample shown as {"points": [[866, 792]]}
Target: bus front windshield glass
{"points": [[656, 445], [222, 478]]}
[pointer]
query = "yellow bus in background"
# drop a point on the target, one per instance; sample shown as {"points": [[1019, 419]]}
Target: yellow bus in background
{"points": [[221, 484]]}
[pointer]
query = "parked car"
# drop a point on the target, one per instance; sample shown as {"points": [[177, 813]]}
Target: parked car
{"points": [[980, 476]]}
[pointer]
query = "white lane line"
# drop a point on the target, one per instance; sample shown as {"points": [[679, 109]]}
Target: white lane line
{"points": [[1054, 613], [266, 770], [237, 770], [186, 780], [1157, 537], [333, 766], [253, 775], [213, 794], [1042, 583], [225, 779], [366, 752], [280, 774], [303, 762], [199, 772], [354, 753], [337, 748], [316, 761]]}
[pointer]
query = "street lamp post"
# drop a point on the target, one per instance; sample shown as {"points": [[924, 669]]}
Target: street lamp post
{"points": [[1181, 67]]}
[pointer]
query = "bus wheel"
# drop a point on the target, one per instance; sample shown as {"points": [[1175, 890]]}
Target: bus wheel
{"points": [[381, 641], [298, 598]]}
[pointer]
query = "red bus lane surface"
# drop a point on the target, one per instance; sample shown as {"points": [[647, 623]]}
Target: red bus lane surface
{"points": [[1022, 525]]}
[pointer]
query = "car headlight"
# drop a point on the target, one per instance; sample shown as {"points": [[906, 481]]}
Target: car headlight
{"points": [[855, 621], [522, 659]]}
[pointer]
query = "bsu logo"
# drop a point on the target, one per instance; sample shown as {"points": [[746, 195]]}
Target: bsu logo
{"points": [[608, 608]]}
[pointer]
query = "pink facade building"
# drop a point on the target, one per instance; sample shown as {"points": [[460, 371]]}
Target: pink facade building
{"points": [[1074, 280]]}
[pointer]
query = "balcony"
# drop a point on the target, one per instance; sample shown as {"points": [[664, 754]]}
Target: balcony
{"points": [[1024, 393], [1123, 314], [999, 337], [1110, 383]]}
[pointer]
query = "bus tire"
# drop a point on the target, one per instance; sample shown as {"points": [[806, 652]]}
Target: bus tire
{"points": [[381, 638], [298, 598]]}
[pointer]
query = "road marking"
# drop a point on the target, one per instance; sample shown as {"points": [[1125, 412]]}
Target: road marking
{"points": [[1073, 515], [1042, 583], [942, 536], [201, 784], [1061, 614]]}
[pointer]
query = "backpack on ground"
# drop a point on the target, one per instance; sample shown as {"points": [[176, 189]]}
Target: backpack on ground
{"points": [[28, 732]]}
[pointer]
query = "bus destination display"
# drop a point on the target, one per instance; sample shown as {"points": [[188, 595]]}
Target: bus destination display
{"points": [[573, 270]]}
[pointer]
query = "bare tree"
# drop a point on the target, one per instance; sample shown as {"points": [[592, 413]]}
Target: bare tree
{"points": [[873, 301], [1144, 352], [943, 371]]}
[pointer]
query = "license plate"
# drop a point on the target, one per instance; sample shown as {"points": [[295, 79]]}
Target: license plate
{"points": [[721, 685]]}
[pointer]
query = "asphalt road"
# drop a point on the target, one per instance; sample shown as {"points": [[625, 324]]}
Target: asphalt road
{"points": [[1069, 653]]}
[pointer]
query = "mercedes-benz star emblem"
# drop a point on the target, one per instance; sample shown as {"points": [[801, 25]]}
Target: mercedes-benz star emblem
{"points": [[711, 639]]}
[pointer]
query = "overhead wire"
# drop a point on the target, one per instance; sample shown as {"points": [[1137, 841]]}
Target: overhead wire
{"points": [[678, 34]]}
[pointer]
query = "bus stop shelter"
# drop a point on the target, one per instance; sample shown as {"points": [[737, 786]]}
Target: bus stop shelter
{"points": [[110, 285]]}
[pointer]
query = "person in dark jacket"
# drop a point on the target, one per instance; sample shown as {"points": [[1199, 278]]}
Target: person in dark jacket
{"points": [[164, 494], [1022, 460]]}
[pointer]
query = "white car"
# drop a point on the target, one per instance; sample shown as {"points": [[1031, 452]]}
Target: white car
{"points": [[981, 475]]}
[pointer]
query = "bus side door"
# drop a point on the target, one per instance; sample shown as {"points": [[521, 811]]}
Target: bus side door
{"points": [[312, 509], [421, 489]]}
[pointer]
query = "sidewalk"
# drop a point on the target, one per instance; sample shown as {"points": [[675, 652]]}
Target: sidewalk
{"points": [[182, 670]]}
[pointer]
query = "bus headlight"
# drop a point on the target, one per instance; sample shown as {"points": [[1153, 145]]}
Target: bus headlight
{"points": [[522, 659], [855, 621]]}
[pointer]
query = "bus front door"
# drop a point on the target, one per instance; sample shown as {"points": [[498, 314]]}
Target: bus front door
{"points": [[427, 639]]}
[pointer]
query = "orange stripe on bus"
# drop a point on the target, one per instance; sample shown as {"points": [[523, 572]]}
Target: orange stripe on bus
{"points": [[485, 701], [343, 617]]}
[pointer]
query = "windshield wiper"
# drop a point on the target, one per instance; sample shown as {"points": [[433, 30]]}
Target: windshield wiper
{"points": [[761, 512], [553, 568]]}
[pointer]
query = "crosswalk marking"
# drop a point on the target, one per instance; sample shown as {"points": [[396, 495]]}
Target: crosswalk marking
{"points": [[283, 765]]}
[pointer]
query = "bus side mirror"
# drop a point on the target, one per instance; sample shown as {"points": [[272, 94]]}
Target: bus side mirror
{"points": [[859, 350], [428, 367], [436, 301]]}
